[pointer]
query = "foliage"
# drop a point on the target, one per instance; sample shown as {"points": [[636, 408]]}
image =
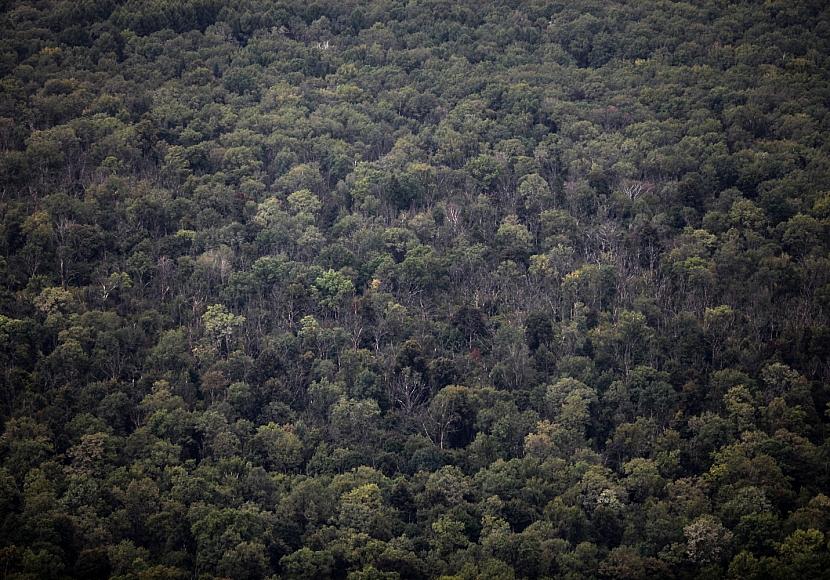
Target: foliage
{"points": [[396, 289]]}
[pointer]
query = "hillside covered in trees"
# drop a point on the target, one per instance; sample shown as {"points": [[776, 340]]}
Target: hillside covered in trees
{"points": [[391, 289]]}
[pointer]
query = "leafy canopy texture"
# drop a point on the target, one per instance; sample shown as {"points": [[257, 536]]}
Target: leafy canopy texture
{"points": [[410, 289]]}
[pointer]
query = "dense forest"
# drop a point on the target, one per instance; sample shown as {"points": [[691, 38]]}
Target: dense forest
{"points": [[390, 289]]}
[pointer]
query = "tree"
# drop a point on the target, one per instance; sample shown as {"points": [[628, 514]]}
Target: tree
{"points": [[354, 421], [624, 342], [707, 541], [277, 447], [449, 417], [471, 323], [245, 560], [364, 510], [333, 289], [717, 323], [568, 402], [448, 535], [513, 240], [221, 325], [305, 563]]}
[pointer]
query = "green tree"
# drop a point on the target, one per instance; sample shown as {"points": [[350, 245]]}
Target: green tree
{"points": [[334, 289], [221, 325], [277, 447]]}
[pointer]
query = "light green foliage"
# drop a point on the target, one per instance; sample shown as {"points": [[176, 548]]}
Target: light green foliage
{"points": [[278, 446], [449, 534], [568, 403], [513, 239], [304, 203], [354, 421], [333, 288], [220, 324]]}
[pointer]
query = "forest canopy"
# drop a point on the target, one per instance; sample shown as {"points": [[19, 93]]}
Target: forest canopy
{"points": [[392, 289]]}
